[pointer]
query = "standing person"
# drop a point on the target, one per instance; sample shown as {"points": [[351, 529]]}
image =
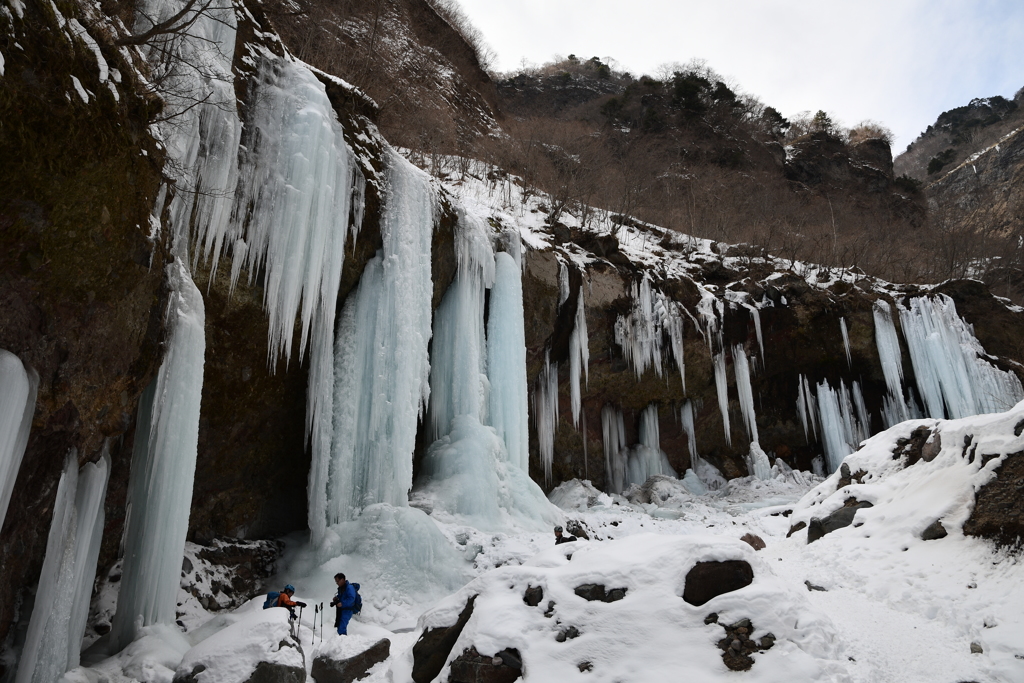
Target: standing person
{"points": [[559, 538], [345, 602]]}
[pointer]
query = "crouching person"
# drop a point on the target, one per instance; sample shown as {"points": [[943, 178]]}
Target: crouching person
{"points": [[347, 602], [284, 599]]}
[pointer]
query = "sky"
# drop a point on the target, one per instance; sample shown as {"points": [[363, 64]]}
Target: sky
{"points": [[898, 62]]}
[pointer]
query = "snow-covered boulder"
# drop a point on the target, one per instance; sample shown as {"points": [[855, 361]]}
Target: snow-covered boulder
{"points": [[257, 647], [349, 658], [637, 627]]}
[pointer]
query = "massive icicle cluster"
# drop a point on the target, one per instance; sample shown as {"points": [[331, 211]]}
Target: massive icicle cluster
{"points": [[18, 384], [545, 410], [163, 468], [640, 334]]}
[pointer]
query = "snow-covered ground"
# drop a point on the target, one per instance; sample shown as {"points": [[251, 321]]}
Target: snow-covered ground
{"points": [[885, 605]]}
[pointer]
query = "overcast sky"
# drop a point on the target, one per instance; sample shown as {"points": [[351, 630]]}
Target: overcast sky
{"points": [[900, 62]]}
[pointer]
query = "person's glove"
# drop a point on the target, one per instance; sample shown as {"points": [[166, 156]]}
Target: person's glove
{"points": [[333, 603], [301, 604]]}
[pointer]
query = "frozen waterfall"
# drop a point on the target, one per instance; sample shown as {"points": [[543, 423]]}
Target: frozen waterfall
{"points": [[381, 364], [894, 406], [163, 469], [458, 362], [18, 385], [613, 431], [745, 391], [54, 638], [506, 366], [641, 332]]}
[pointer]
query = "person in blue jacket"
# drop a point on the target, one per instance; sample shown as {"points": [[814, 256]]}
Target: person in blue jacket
{"points": [[343, 601]]}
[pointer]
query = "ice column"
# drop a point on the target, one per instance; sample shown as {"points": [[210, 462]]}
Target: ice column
{"points": [[757, 462], [888, 343], [722, 388], [18, 384], [640, 333], [545, 408], [841, 428], [54, 638], [613, 431], [686, 416], [579, 358], [458, 383], [163, 469], [506, 366], [745, 391], [381, 361], [953, 377]]}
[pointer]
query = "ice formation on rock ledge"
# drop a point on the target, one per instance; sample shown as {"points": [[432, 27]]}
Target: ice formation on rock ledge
{"points": [[579, 358], [894, 408], [641, 332], [545, 409], [18, 385], [953, 377], [757, 462], [54, 637], [506, 366], [841, 430], [381, 362], [163, 469]]}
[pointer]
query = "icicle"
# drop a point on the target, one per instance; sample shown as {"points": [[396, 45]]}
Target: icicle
{"points": [[579, 357], [613, 432], [953, 377], [563, 283], [44, 657], [722, 387], [846, 342], [842, 424], [506, 361], [755, 314], [686, 416], [546, 411], [745, 391], [163, 469], [381, 363], [89, 502], [887, 341], [802, 409], [863, 417], [674, 327], [812, 406], [18, 385]]}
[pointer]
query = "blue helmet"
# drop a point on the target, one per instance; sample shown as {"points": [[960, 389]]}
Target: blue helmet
{"points": [[290, 587]]}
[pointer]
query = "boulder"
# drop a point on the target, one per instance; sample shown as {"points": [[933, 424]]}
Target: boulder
{"points": [[431, 651], [737, 646], [998, 512], [754, 541], [708, 580], [934, 531], [472, 667], [328, 669], [596, 591], [270, 672], [842, 517], [533, 595]]}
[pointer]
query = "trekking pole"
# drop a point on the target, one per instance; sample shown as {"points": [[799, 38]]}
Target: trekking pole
{"points": [[298, 628], [321, 622], [316, 610]]}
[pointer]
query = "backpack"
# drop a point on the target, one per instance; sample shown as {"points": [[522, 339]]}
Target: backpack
{"points": [[357, 606], [271, 600]]}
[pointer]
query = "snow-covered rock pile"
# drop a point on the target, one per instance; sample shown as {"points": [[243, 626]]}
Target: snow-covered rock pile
{"points": [[621, 610]]}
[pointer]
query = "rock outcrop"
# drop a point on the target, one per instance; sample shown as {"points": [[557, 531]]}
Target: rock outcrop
{"points": [[330, 669], [998, 512]]}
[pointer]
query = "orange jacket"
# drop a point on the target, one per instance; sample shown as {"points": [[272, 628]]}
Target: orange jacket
{"points": [[284, 601]]}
